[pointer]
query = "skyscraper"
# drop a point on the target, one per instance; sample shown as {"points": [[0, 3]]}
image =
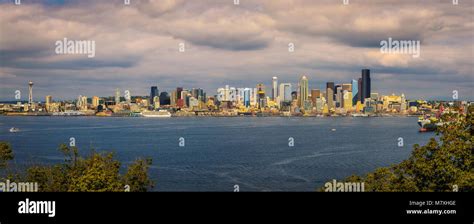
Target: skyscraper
{"points": [[247, 92], [285, 92], [347, 100], [178, 92], [359, 86], [330, 94], [261, 95], [84, 103], [274, 88], [164, 98], [30, 92], [303, 91], [315, 94], [355, 91], [153, 92], [95, 101], [49, 100], [365, 84], [338, 95], [117, 96]]}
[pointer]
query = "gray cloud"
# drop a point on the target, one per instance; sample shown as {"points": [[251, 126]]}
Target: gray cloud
{"points": [[137, 45]]}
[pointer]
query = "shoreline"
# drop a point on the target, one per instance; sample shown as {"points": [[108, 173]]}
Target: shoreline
{"points": [[219, 116]]}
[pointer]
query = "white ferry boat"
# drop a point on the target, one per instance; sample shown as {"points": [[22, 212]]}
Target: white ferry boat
{"points": [[160, 113]]}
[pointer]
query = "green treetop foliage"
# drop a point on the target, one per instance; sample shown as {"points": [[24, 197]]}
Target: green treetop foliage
{"points": [[446, 164], [97, 172], [6, 154]]}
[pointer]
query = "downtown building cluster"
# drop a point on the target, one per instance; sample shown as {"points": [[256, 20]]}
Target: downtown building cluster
{"points": [[352, 98]]}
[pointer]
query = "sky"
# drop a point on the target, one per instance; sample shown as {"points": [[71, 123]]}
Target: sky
{"points": [[137, 45]]}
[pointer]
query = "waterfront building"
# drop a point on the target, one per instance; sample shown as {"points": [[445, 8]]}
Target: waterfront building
{"points": [[403, 105], [48, 101], [95, 102], [83, 103], [117, 96]]}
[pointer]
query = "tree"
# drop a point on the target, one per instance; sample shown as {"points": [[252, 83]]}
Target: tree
{"points": [[97, 172], [446, 164], [137, 175], [6, 154]]}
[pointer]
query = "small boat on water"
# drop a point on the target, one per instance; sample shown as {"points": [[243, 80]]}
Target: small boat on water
{"points": [[14, 130], [160, 113]]}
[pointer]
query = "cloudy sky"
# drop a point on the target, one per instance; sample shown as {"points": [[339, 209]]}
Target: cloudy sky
{"points": [[239, 45]]}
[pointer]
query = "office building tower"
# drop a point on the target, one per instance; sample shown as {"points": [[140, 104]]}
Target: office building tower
{"points": [[294, 95], [365, 84], [178, 92], [285, 92], [274, 88], [303, 91], [83, 103], [359, 86], [153, 92], [315, 94], [347, 100], [355, 91], [261, 95], [173, 98], [330, 95], [246, 97], [48, 101], [117, 96], [338, 95], [164, 98], [95, 101], [347, 86]]}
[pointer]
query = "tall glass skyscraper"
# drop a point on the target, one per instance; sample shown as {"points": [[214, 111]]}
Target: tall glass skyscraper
{"points": [[303, 91], [247, 97], [153, 93], [365, 84], [355, 90], [274, 88]]}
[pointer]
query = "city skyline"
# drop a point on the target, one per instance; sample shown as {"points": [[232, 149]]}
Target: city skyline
{"points": [[222, 47]]}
